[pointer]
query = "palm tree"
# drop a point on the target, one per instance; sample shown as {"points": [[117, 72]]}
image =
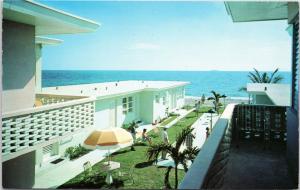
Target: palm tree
{"points": [[257, 77], [179, 157], [216, 100]]}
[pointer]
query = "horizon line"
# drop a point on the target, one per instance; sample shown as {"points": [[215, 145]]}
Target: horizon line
{"points": [[214, 70]]}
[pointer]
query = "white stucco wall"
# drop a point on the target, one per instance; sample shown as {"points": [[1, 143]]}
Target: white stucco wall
{"points": [[18, 66], [109, 111], [105, 113], [262, 99], [159, 109], [174, 100], [146, 106]]}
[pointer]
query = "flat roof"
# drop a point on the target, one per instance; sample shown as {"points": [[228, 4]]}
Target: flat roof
{"points": [[279, 94], [248, 11], [46, 20], [111, 89]]}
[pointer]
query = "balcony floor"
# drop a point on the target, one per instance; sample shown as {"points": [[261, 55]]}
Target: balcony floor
{"points": [[252, 167]]}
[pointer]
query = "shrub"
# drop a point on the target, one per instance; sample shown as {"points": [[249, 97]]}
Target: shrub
{"points": [[125, 126], [76, 152]]}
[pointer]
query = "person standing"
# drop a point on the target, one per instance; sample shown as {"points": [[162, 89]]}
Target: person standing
{"points": [[165, 138], [145, 137], [207, 132]]}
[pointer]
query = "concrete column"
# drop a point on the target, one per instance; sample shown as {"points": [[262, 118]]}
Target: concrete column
{"points": [[38, 68]]}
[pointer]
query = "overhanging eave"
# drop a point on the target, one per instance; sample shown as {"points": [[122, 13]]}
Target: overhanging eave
{"points": [[256, 11]]}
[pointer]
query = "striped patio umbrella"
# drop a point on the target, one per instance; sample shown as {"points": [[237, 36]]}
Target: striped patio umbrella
{"points": [[108, 139]]}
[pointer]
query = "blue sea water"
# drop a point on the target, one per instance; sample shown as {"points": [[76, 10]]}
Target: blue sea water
{"points": [[202, 82]]}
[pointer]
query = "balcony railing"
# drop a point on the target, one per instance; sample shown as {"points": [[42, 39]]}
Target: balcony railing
{"points": [[24, 129], [251, 122], [260, 122]]}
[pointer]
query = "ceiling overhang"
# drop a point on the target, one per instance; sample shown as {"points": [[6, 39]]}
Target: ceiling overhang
{"points": [[256, 11], [46, 20]]}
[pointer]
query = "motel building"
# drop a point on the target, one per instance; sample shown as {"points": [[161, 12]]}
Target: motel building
{"points": [[39, 124]]}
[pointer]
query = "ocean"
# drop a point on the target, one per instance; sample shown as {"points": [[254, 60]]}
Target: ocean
{"points": [[202, 82]]}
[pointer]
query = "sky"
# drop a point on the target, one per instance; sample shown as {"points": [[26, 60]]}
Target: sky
{"points": [[167, 36]]}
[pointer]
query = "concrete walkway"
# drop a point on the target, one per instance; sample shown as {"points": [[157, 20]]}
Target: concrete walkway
{"points": [[200, 128], [66, 170]]}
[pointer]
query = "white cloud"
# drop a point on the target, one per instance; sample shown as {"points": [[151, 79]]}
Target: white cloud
{"points": [[145, 46]]}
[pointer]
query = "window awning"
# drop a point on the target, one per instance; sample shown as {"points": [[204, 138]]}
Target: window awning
{"points": [[46, 20], [256, 11]]}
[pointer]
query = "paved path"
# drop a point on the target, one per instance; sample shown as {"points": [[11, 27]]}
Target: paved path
{"points": [[200, 128]]}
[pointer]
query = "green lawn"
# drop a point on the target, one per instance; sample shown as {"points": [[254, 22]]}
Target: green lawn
{"points": [[146, 175], [168, 120]]}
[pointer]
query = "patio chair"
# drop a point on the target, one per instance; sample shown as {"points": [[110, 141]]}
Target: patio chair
{"points": [[87, 166], [127, 175], [87, 169]]}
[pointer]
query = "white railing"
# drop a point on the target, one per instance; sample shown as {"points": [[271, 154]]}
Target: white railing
{"points": [[28, 127]]}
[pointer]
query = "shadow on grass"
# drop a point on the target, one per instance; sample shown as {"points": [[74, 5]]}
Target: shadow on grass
{"points": [[120, 152], [144, 164], [140, 144], [92, 182]]}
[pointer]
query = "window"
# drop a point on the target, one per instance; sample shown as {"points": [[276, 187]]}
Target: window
{"points": [[157, 99], [127, 104], [295, 65]]}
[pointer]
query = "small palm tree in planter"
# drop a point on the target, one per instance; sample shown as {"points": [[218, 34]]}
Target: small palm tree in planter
{"points": [[179, 157], [216, 100]]}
